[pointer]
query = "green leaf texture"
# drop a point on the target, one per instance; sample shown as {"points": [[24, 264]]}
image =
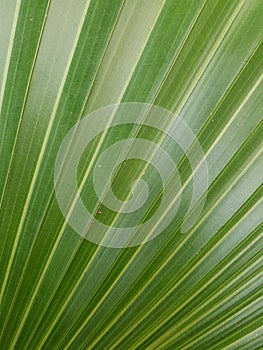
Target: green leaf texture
{"points": [[61, 60]]}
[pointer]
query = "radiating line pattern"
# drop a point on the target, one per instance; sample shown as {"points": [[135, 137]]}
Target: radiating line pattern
{"points": [[61, 60]]}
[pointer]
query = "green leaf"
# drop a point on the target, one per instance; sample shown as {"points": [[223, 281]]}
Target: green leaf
{"points": [[174, 89]]}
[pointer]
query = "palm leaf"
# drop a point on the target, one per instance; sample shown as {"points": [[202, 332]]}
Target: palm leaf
{"points": [[193, 62]]}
